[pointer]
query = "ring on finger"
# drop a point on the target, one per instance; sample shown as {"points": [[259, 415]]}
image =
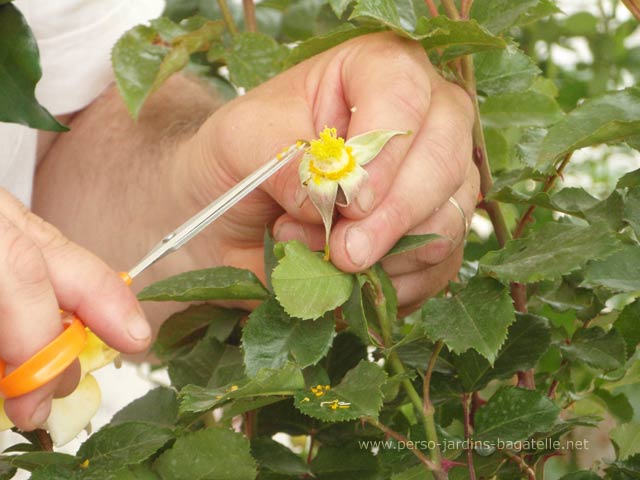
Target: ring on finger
{"points": [[455, 203]]}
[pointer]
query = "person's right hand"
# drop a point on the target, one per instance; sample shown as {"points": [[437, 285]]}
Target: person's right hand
{"points": [[40, 272]]}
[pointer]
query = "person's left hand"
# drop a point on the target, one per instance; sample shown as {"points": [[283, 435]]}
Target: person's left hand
{"points": [[372, 82]]}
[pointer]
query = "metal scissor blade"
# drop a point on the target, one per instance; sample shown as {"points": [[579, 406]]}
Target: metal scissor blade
{"points": [[215, 209]]}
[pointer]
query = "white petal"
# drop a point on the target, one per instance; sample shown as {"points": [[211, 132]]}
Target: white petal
{"points": [[368, 145], [351, 184], [5, 423], [323, 195], [69, 415], [95, 354], [303, 168]]}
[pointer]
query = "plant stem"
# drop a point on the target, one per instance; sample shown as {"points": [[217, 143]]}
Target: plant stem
{"points": [[634, 7], [526, 469], [548, 185], [433, 10], [428, 421], [228, 18], [401, 438], [45, 440], [465, 8], [466, 400], [450, 9], [249, 9]]}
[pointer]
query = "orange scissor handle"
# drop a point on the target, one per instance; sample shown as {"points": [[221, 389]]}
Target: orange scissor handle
{"points": [[50, 361], [46, 364]]}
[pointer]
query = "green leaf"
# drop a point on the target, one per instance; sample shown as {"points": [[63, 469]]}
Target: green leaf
{"points": [[7, 472], [159, 406], [267, 382], [114, 447], [359, 391], [573, 201], [475, 317], [498, 149], [339, 6], [271, 338], [597, 348], [628, 324], [520, 109], [183, 329], [346, 462], [355, 314], [306, 285], [196, 366], [19, 73], [632, 209], [411, 242], [630, 179], [417, 472], [553, 250], [32, 461], [54, 472], [254, 58], [499, 15], [627, 439], [382, 11], [608, 118], [466, 35], [220, 283], [270, 259], [210, 454], [145, 56], [504, 71], [618, 272], [581, 475], [275, 457], [317, 44], [528, 339], [513, 414]]}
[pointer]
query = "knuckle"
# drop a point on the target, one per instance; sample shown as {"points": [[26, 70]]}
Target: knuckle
{"points": [[46, 235], [398, 216], [24, 261], [464, 105], [447, 161], [434, 253]]}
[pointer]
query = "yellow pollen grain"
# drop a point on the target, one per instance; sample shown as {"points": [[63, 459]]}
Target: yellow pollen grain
{"points": [[84, 465], [233, 388], [328, 146]]}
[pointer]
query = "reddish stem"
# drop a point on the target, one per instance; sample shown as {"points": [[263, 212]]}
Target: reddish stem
{"points": [[466, 400], [633, 7], [433, 10], [250, 23]]}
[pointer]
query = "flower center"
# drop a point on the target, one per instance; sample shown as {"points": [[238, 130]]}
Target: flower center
{"points": [[332, 159]]}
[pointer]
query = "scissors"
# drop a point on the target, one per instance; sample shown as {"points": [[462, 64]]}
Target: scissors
{"points": [[54, 358]]}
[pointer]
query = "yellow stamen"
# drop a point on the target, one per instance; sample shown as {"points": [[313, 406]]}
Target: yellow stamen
{"points": [[331, 158], [84, 465], [329, 146]]}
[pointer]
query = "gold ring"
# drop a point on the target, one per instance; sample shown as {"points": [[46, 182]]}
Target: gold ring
{"points": [[455, 203]]}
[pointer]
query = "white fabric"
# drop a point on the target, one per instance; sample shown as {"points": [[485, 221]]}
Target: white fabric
{"points": [[75, 39]]}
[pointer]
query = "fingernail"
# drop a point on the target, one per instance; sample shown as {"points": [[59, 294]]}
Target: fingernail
{"points": [[365, 198], [41, 413], [358, 246], [289, 231], [137, 326]]}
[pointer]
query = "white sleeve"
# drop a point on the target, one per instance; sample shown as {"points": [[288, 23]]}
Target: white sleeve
{"points": [[75, 38]]}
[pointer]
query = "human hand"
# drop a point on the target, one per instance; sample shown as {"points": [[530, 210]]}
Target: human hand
{"points": [[40, 272], [372, 82]]}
